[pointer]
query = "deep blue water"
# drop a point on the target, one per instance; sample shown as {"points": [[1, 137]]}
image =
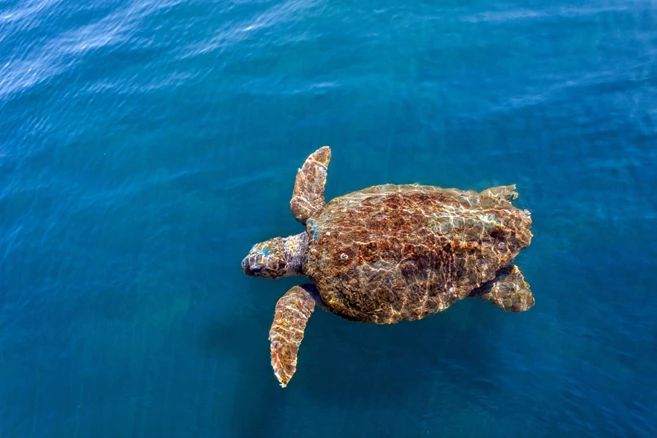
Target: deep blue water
{"points": [[145, 146]]}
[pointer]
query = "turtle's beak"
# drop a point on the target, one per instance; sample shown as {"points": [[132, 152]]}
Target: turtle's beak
{"points": [[276, 258], [250, 267], [245, 265], [265, 259]]}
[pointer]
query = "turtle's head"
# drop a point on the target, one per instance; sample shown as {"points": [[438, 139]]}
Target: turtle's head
{"points": [[277, 257]]}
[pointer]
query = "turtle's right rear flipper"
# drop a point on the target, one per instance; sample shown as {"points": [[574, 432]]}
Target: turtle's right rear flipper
{"points": [[286, 333], [508, 290]]}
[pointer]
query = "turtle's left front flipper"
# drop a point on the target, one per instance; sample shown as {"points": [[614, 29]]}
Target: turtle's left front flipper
{"points": [[508, 290], [286, 333], [308, 195]]}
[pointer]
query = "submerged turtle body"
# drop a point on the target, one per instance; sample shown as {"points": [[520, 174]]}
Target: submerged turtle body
{"points": [[390, 253], [403, 252]]}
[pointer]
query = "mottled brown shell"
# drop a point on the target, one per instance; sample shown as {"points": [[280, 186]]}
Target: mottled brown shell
{"points": [[403, 252]]}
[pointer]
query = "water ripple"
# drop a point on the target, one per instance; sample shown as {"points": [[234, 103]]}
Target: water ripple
{"points": [[26, 12], [65, 50], [237, 31], [517, 15]]}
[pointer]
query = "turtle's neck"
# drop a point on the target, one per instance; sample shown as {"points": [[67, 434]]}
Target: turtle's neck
{"points": [[296, 253]]}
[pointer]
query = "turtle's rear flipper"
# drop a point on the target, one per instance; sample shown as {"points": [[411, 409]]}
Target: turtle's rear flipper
{"points": [[508, 290], [308, 195], [286, 333], [502, 192]]}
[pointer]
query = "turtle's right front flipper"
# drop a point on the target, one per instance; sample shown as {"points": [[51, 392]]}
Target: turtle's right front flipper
{"points": [[508, 290], [286, 333]]}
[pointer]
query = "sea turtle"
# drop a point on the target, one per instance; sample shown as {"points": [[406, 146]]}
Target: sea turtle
{"points": [[390, 253]]}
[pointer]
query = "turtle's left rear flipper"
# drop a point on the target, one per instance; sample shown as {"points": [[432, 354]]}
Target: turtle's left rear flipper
{"points": [[286, 333], [508, 290]]}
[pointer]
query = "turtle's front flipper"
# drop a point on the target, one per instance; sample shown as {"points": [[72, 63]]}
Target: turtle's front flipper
{"points": [[308, 195], [508, 290], [286, 333]]}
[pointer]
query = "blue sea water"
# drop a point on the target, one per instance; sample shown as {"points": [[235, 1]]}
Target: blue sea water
{"points": [[145, 146]]}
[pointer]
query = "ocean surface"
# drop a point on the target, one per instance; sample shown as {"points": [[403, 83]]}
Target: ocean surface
{"points": [[145, 146]]}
